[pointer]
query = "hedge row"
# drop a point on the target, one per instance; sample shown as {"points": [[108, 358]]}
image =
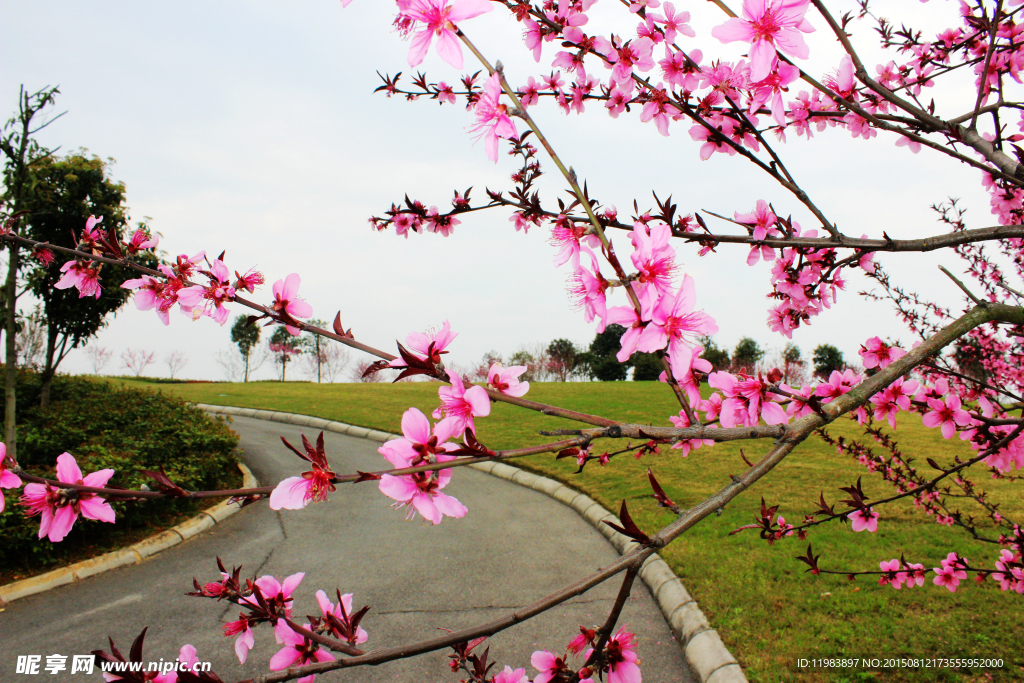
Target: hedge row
{"points": [[128, 430]]}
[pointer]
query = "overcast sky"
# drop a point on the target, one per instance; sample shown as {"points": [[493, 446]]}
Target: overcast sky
{"points": [[252, 127]]}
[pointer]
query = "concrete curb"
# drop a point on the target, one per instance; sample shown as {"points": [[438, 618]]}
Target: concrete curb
{"points": [[133, 554], [704, 650]]}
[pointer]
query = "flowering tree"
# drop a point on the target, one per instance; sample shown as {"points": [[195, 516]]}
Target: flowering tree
{"points": [[957, 377], [176, 362], [98, 357], [137, 360], [282, 347]]}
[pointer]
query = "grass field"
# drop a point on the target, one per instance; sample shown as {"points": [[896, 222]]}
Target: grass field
{"points": [[767, 609]]}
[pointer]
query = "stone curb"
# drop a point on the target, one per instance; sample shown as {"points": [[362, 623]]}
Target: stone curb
{"points": [[704, 650], [133, 554]]}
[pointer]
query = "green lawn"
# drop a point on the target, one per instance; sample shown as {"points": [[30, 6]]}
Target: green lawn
{"points": [[767, 610]]}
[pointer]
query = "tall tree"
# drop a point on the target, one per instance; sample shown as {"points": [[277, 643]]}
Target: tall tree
{"points": [[246, 337], [21, 152], [283, 346], [719, 358], [65, 192], [563, 357], [604, 366], [314, 345], [826, 359], [746, 354]]}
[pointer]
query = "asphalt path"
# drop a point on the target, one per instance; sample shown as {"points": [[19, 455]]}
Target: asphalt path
{"points": [[515, 546]]}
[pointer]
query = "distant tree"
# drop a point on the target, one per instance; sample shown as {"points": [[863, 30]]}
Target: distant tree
{"points": [[563, 358], [792, 363], [826, 359], [246, 337], [647, 367], [719, 358], [137, 361], [326, 362], [312, 345], [98, 357], [602, 363], [283, 346], [746, 355], [176, 362], [65, 192], [535, 362], [31, 340]]}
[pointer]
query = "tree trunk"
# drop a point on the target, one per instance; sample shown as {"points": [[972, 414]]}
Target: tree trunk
{"points": [[245, 377], [11, 375], [48, 370]]}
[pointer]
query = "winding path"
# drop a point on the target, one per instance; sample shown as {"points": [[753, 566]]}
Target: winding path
{"points": [[515, 546]]}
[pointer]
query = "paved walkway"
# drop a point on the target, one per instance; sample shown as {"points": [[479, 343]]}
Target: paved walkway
{"points": [[515, 546]]}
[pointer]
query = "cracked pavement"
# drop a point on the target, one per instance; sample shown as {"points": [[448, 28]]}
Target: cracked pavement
{"points": [[514, 547]]}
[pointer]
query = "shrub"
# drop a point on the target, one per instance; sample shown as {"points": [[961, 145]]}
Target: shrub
{"points": [[128, 430]]}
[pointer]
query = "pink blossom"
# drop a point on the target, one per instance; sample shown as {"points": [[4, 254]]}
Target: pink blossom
{"points": [[245, 641], [878, 354], [864, 520], [946, 413], [506, 380], [440, 17], [674, 322], [429, 345], [681, 421], [1008, 576], [768, 25], [445, 94], [8, 479], [630, 319], [92, 233], [626, 57], [678, 71], [462, 404], [683, 363], [620, 659], [893, 575], [747, 400], [950, 577], [549, 665], [59, 508], [249, 281], [654, 258], [287, 303], [838, 384], [140, 240], [419, 445], [298, 651], [762, 219], [914, 147], [675, 22], [341, 612], [421, 492], [294, 493], [149, 294], [588, 289], [82, 276], [715, 140], [492, 120], [507, 675], [278, 595]]}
